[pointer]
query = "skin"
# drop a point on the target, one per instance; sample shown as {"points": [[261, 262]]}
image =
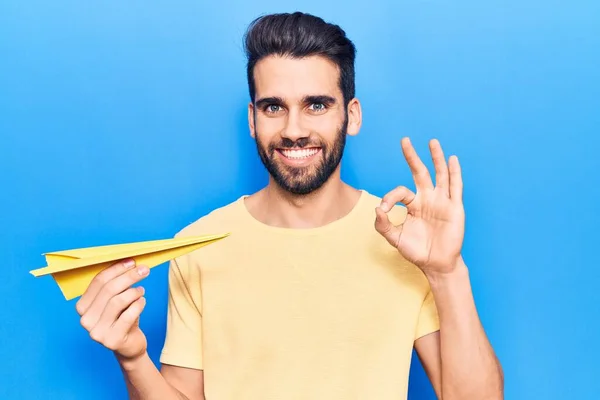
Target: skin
{"points": [[299, 101]]}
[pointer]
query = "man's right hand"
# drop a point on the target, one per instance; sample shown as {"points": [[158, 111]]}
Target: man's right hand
{"points": [[110, 309]]}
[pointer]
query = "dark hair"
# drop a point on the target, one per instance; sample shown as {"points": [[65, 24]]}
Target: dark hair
{"points": [[300, 35]]}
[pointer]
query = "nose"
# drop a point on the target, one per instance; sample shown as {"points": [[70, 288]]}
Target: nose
{"points": [[294, 129]]}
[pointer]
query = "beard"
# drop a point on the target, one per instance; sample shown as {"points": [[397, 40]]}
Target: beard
{"points": [[303, 180]]}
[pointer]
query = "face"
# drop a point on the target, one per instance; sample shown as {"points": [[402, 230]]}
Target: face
{"points": [[299, 121]]}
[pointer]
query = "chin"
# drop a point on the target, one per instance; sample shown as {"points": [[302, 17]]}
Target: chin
{"points": [[300, 181]]}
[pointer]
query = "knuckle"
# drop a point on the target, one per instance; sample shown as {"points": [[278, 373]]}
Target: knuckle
{"points": [[101, 279], [110, 346], [79, 307], [128, 317], [112, 287], [96, 335], [112, 343], [85, 322], [116, 302], [393, 194], [133, 294], [123, 300]]}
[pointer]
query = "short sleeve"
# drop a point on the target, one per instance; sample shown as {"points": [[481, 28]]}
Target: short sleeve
{"points": [[428, 321], [183, 339]]}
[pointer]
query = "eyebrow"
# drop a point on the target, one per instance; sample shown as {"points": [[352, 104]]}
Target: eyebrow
{"points": [[324, 99], [327, 100], [260, 103]]}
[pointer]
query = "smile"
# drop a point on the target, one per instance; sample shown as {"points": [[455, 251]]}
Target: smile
{"points": [[299, 154], [299, 157]]}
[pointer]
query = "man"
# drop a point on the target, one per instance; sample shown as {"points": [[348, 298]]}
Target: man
{"points": [[322, 290]]}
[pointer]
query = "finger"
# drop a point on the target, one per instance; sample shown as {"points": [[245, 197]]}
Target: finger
{"points": [[384, 226], [418, 169], [129, 317], [401, 194], [441, 168], [456, 183], [116, 305], [109, 290], [99, 281]]}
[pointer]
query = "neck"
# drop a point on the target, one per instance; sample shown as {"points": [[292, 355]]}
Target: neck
{"points": [[276, 207]]}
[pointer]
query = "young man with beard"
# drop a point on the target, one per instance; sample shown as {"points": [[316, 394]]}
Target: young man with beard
{"points": [[322, 290]]}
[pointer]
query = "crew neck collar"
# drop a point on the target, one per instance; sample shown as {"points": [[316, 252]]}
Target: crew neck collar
{"points": [[337, 224]]}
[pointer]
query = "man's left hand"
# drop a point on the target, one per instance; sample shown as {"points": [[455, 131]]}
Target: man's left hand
{"points": [[431, 236]]}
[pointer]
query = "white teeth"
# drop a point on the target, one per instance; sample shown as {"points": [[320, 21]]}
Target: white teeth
{"points": [[298, 154]]}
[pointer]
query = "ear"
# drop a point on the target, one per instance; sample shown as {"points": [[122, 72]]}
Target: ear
{"points": [[251, 120], [354, 117]]}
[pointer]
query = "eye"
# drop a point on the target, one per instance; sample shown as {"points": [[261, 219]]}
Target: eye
{"points": [[272, 108], [318, 107]]}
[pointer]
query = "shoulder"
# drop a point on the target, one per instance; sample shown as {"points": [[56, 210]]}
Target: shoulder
{"points": [[217, 221]]}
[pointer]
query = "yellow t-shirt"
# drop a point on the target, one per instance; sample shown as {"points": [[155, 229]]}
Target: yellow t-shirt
{"points": [[284, 314]]}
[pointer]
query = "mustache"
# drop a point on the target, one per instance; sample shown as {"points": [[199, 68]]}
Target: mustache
{"points": [[303, 142]]}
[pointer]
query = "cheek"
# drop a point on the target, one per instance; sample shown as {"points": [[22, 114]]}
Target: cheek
{"points": [[269, 127], [326, 126]]}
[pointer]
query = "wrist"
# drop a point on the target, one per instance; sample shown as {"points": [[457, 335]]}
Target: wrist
{"points": [[456, 270], [130, 364]]}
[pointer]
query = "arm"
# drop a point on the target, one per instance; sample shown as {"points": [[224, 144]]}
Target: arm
{"points": [[145, 382], [458, 359], [110, 310]]}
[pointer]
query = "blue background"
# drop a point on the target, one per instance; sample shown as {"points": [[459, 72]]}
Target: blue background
{"points": [[125, 121]]}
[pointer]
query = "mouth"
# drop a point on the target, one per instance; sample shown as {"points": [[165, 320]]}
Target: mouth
{"points": [[299, 157]]}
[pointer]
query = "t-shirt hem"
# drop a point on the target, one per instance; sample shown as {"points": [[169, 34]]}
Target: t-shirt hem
{"points": [[179, 361], [428, 330]]}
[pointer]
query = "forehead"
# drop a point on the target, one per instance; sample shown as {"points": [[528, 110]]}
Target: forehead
{"points": [[294, 78]]}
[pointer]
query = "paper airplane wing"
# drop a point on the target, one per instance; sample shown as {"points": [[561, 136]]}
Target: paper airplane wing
{"points": [[73, 270]]}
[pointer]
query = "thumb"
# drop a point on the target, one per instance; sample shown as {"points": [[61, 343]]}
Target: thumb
{"points": [[388, 230]]}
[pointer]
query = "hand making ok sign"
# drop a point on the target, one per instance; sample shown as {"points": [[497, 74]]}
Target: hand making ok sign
{"points": [[431, 236]]}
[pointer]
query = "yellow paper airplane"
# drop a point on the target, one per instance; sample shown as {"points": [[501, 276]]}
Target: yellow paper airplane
{"points": [[73, 270]]}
